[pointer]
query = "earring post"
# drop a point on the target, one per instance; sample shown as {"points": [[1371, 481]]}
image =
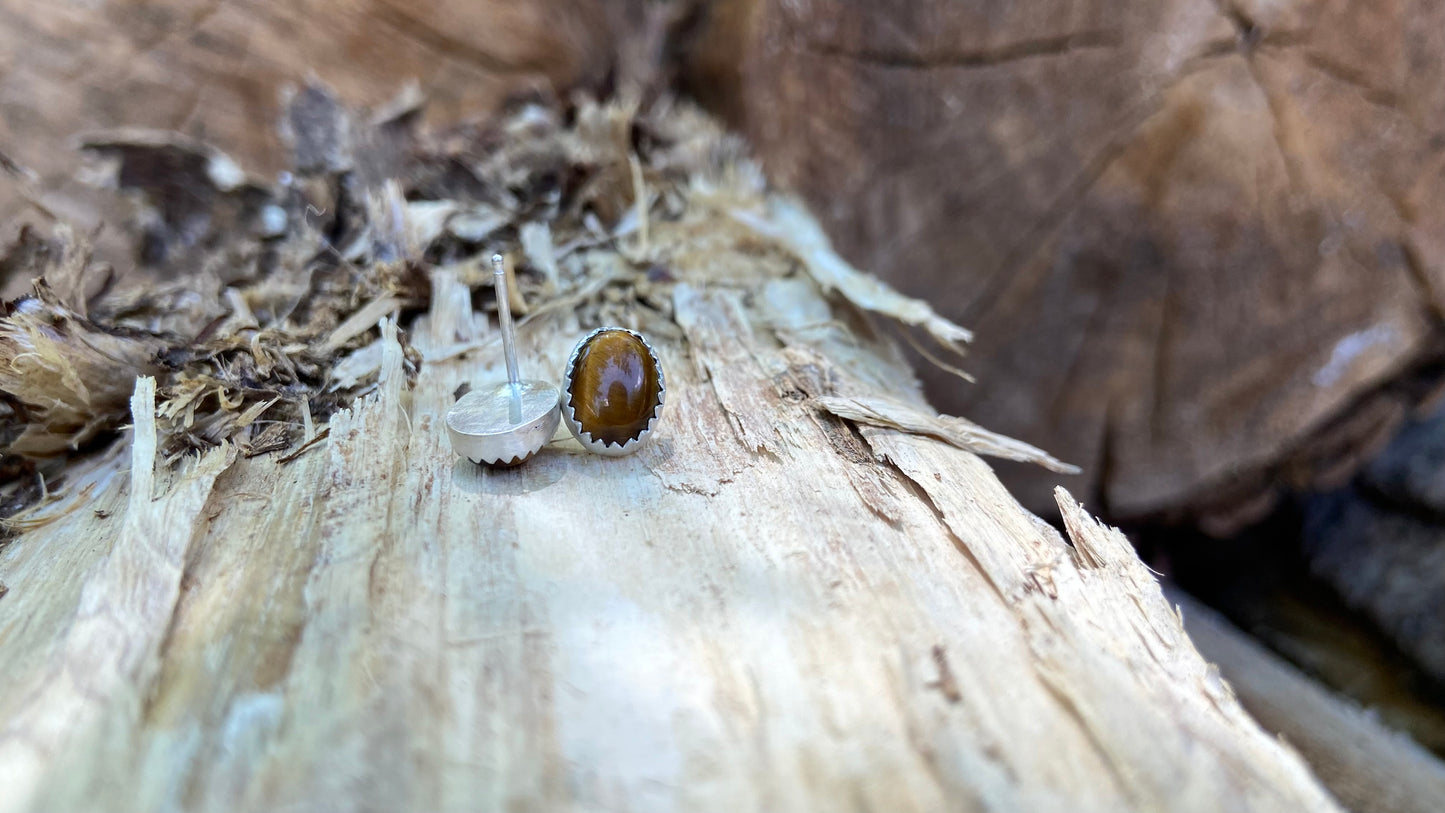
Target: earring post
{"points": [[504, 423], [504, 314]]}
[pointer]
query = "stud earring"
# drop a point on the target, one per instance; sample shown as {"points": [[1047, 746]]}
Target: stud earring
{"points": [[613, 391], [504, 423]]}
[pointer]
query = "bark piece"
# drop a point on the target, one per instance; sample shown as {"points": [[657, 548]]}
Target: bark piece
{"points": [[1380, 541], [1384, 559], [60, 369], [960, 432]]}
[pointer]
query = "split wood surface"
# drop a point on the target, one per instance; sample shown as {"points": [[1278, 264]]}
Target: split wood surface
{"points": [[768, 608], [1366, 765]]}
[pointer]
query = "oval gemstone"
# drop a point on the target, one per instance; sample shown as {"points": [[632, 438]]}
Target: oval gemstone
{"points": [[615, 387]]}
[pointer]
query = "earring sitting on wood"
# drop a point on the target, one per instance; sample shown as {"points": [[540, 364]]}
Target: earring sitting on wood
{"points": [[505, 423], [613, 391]]}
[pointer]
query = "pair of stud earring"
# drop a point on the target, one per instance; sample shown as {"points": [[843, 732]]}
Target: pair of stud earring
{"points": [[612, 397]]}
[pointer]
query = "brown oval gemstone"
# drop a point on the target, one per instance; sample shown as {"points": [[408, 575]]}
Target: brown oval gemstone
{"points": [[615, 387]]}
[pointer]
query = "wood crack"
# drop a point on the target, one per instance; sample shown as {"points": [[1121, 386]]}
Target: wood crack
{"points": [[1278, 128], [1380, 97], [921, 493], [444, 44], [1420, 276], [1075, 192], [1063, 45], [1413, 266]]}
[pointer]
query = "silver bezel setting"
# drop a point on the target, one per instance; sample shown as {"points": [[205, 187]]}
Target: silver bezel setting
{"points": [[477, 436], [568, 413]]}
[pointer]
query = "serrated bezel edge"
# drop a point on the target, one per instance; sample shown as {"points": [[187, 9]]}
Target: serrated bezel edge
{"points": [[565, 399]]}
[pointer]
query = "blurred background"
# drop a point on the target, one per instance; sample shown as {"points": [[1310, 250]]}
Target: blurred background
{"points": [[1201, 242]]}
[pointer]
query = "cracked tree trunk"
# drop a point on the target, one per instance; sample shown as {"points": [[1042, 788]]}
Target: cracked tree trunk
{"points": [[1201, 242], [768, 608]]}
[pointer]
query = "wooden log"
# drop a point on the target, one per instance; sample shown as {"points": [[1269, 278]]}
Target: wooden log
{"points": [[1200, 242], [1366, 765], [768, 607]]}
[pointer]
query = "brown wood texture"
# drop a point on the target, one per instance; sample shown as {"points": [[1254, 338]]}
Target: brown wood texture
{"points": [[1195, 238], [217, 70]]}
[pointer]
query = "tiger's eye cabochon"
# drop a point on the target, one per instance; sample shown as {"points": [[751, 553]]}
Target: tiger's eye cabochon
{"points": [[614, 386]]}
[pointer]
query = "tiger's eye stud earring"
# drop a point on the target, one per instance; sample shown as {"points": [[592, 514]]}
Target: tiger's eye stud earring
{"points": [[503, 424], [613, 391]]}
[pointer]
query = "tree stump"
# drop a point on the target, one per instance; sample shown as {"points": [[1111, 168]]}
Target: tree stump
{"points": [[768, 607], [1200, 242]]}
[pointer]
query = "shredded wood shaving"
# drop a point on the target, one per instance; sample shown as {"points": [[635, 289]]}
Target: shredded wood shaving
{"points": [[790, 224], [61, 368], [360, 322], [885, 412]]}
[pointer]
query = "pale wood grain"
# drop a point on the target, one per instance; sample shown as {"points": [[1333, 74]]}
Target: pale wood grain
{"points": [[1366, 765]]}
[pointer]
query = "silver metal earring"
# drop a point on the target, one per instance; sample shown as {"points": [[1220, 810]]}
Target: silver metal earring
{"points": [[503, 424]]}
